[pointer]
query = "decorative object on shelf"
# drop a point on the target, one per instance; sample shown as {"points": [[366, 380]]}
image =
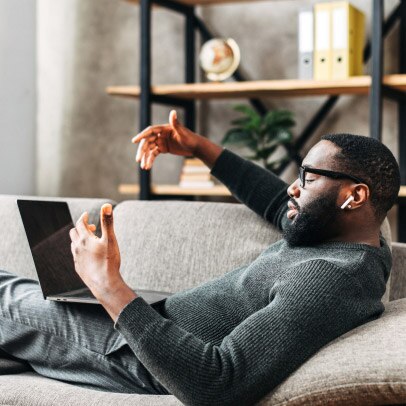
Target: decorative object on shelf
{"points": [[195, 174], [262, 135], [219, 58]]}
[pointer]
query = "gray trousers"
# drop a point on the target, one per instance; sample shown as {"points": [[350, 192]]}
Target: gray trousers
{"points": [[70, 342]]}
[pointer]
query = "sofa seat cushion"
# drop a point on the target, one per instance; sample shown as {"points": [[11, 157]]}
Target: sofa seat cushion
{"points": [[31, 389], [366, 366]]}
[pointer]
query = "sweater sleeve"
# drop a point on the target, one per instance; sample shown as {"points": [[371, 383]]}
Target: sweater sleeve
{"points": [[256, 187], [306, 310]]}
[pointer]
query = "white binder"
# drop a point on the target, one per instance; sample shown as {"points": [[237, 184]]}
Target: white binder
{"points": [[305, 40]]}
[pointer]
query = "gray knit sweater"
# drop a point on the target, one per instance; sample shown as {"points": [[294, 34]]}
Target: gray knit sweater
{"points": [[233, 339]]}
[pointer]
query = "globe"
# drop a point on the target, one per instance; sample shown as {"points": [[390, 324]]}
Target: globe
{"points": [[219, 58]]}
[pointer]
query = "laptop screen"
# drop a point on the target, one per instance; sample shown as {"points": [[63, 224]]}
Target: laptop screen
{"points": [[47, 225]]}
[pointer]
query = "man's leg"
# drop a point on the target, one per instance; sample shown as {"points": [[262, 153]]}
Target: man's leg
{"points": [[71, 342]]}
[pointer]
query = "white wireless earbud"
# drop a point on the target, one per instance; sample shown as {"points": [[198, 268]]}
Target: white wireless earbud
{"points": [[347, 202]]}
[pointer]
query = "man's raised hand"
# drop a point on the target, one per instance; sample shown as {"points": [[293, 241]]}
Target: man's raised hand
{"points": [[171, 138]]}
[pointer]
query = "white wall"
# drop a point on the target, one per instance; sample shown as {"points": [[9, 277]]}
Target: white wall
{"points": [[55, 53], [18, 96]]}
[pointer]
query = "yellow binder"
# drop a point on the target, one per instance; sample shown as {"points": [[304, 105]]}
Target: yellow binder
{"points": [[347, 40]]}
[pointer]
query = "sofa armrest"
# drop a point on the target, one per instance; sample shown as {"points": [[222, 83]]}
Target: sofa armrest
{"points": [[365, 366], [398, 277]]}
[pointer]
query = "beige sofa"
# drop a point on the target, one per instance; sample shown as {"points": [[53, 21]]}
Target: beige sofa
{"points": [[193, 242]]}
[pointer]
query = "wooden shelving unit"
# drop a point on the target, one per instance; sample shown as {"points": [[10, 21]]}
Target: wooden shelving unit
{"points": [[263, 88], [203, 2], [175, 190], [184, 95]]}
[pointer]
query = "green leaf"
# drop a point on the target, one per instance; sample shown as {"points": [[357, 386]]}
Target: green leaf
{"points": [[237, 136], [241, 121], [250, 112], [279, 118]]}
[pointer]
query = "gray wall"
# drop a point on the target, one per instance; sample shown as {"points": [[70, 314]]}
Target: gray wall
{"points": [[18, 96], [84, 46]]}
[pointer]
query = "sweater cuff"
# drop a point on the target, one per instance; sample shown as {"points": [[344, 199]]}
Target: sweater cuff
{"points": [[136, 319]]}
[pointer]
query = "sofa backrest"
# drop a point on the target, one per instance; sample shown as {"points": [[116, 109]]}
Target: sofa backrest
{"points": [[175, 245]]}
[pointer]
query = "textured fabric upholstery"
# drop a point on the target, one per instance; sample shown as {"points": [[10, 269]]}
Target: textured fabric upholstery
{"points": [[398, 284], [366, 366], [173, 245], [29, 389]]}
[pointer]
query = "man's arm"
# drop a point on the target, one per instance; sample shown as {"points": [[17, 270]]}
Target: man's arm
{"points": [[256, 187], [308, 309], [252, 185]]}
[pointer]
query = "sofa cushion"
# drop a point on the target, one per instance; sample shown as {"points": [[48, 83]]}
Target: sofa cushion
{"points": [[175, 245], [15, 255], [398, 277], [366, 366], [31, 389]]}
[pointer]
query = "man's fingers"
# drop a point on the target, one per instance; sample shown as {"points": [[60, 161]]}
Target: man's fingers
{"points": [[139, 151], [106, 219], [151, 130], [152, 155], [82, 225], [173, 119], [73, 234]]}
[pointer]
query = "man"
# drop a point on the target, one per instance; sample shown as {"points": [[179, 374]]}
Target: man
{"points": [[235, 338]]}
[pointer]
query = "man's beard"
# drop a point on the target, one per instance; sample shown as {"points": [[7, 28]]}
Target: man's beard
{"points": [[315, 223]]}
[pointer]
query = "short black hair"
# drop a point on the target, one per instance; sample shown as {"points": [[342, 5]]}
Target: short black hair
{"points": [[369, 159]]}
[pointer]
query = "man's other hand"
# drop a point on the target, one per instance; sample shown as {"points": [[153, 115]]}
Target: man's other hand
{"points": [[172, 138], [97, 261]]}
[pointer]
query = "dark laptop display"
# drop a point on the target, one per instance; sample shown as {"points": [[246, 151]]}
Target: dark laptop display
{"points": [[47, 226]]}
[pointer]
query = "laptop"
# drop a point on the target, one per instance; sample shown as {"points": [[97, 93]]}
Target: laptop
{"points": [[47, 225]]}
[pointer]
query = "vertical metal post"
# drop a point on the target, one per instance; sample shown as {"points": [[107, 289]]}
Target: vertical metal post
{"points": [[145, 84], [375, 99], [402, 125], [190, 41]]}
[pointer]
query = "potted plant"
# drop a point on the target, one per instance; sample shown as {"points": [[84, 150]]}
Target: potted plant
{"points": [[261, 134]]}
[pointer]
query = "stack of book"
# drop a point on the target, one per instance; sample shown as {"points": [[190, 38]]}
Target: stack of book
{"points": [[195, 174]]}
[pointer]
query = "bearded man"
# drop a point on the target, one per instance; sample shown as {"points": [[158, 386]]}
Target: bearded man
{"points": [[233, 339]]}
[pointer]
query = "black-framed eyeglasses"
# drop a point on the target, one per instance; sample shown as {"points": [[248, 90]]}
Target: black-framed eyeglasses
{"points": [[324, 172]]}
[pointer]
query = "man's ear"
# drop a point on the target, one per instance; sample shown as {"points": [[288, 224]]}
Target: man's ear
{"points": [[360, 195]]}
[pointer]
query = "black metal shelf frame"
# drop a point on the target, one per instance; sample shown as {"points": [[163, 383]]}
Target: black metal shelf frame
{"points": [[373, 50]]}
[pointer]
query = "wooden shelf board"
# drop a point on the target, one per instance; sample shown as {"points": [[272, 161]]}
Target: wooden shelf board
{"points": [[264, 88], [218, 190], [132, 189], [203, 2]]}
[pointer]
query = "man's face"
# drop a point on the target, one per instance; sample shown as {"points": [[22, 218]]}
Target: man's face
{"points": [[314, 212]]}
